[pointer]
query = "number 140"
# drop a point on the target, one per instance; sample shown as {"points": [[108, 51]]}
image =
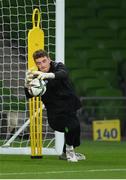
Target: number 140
{"points": [[107, 134]]}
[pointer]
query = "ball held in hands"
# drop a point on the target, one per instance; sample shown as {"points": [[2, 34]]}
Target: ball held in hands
{"points": [[37, 87]]}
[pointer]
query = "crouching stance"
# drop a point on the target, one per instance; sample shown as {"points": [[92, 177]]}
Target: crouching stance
{"points": [[60, 101]]}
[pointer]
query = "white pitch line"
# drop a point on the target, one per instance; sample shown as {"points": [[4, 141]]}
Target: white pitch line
{"points": [[62, 172]]}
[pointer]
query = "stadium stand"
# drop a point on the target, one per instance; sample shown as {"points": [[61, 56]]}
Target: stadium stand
{"points": [[99, 42], [78, 74], [103, 64], [87, 86], [110, 108], [109, 75], [99, 47], [108, 92]]}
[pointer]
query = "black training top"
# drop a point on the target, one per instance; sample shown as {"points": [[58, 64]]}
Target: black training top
{"points": [[60, 98], [60, 95]]}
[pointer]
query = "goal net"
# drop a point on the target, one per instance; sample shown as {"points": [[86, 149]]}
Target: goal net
{"points": [[15, 22]]}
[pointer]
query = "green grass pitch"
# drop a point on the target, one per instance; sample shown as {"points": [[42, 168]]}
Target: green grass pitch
{"points": [[105, 160]]}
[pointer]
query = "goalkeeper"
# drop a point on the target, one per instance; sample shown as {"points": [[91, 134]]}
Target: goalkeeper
{"points": [[60, 101]]}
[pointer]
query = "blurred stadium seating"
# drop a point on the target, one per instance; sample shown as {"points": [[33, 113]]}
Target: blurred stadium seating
{"points": [[96, 41]]}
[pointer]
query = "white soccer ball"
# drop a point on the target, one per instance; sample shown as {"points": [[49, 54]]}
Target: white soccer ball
{"points": [[37, 87]]}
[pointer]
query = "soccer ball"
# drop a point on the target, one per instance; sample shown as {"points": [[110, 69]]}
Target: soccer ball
{"points": [[37, 87]]}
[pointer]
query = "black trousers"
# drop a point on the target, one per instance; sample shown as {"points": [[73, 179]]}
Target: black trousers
{"points": [[67, 123], [72, 138], [64, 121]]}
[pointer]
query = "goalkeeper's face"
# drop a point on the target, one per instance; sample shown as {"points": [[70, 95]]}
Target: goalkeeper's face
{"points": [[43, 64]]}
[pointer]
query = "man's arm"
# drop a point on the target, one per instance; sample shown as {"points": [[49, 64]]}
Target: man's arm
{"points": [[59, 72]]}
